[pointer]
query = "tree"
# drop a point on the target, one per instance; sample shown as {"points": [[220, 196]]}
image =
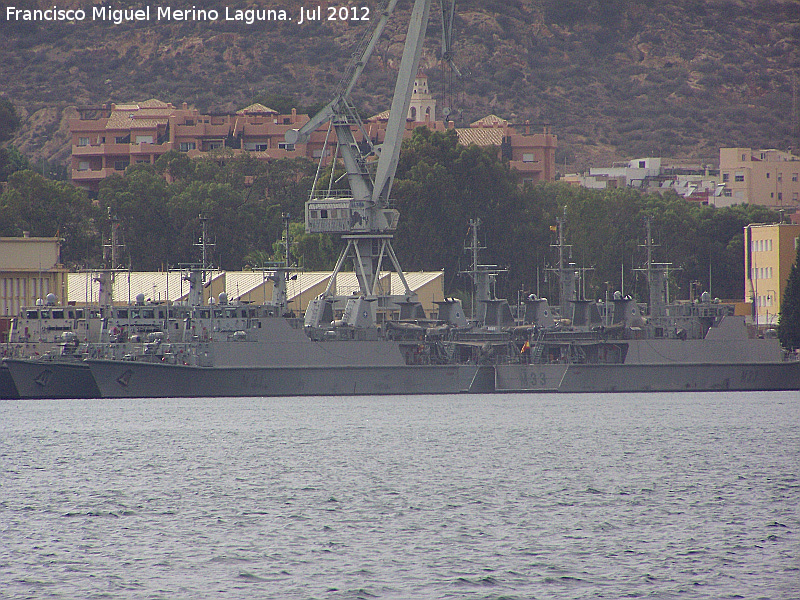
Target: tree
{"points": [[440, 186], [9, 120], [139, 200], [789, 319], [11, 161], [48, 208]]}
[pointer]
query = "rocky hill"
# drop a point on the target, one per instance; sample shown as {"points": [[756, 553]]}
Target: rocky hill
{"points": [[613, 78]]}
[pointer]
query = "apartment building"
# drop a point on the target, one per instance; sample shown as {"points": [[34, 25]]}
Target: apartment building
{"points": [[532, 155], [765, 177], [769, 253], [109, 138]]}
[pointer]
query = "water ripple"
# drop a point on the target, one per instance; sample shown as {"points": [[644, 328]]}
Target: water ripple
{"points": [[485, 498]]}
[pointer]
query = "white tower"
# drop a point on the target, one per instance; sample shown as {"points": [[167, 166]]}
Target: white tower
{"points": [[423, 105]]}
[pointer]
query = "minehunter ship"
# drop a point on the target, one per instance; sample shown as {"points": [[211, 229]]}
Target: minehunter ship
{"points": [[601, 347]]}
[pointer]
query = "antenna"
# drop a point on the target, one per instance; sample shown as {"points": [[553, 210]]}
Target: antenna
{"points": [[204, 244], [113, 245]]}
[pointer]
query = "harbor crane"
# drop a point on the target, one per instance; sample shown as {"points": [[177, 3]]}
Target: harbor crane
{"points": [[364, 215]]}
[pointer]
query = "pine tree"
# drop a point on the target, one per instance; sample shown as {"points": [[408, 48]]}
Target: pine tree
{"points": [[789, 320]]}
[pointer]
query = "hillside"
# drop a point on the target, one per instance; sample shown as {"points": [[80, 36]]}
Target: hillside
{"points": [[614, 78]]}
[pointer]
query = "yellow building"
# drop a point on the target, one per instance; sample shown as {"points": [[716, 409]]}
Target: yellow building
{"points": [[769, 253], [766, 177], [30, 269]]}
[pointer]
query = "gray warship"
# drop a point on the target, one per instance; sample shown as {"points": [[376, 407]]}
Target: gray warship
{"points": [[578, 346]]}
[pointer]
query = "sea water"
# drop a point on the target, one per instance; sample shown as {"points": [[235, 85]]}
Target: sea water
{"points": [[690, 495]]}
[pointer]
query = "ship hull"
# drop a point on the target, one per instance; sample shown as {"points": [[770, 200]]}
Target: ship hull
{"points": [[8, 391], [52, 379], [648, 377], [116, 379]]}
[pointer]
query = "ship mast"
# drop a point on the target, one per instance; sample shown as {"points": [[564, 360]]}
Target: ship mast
{"points": [[483, 276], [657, 276], [566, 277], [105, 278]]}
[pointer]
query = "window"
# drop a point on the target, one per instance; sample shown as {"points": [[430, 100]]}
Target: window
{"points": [[794, 176], [780, 196], [642, 164], [286, 146], [262, 147], [83, 141], [726, 177], [528, 157], [739, 177], [186, 146], [83, 165], [122, 139], [767, 175], [215, 145], [144, 139], [121, 165], [726, 193], [780, 177]]}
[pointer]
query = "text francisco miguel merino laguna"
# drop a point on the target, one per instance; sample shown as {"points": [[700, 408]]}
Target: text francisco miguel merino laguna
{"points": [[167, 13]]}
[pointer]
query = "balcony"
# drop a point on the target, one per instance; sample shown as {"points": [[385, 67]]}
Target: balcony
{"points": [[88, 150], [89, 175], [146, 148]]}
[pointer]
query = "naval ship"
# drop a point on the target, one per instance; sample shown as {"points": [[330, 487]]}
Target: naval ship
{"points": [[578, 346]]}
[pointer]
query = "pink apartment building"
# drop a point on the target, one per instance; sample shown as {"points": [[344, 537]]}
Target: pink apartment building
{"points": [[109, 138]]}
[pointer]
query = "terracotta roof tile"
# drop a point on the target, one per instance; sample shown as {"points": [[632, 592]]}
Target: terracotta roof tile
{"points": [[256, 108], [480, 136], [155, 103], [488, 121]]}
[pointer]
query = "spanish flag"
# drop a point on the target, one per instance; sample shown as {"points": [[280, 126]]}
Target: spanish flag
{"points": [[525, 347]]}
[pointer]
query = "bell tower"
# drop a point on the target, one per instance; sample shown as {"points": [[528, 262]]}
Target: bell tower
{"points": [[423, 106]]}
